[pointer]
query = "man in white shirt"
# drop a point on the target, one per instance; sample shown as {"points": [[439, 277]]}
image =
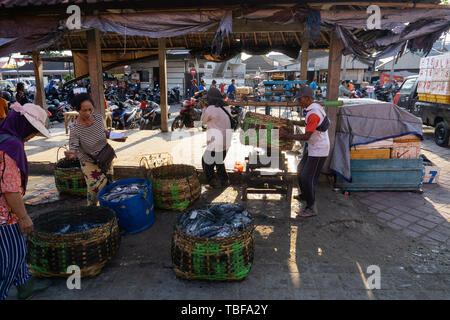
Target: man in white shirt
{"points": [[218, 134], [316, 150]]}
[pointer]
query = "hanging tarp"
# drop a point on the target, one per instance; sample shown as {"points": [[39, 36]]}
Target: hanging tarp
{"points": [[416, 29], [160, 24], [36, 33]]}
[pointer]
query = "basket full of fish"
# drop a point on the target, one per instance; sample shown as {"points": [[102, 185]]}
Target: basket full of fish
{"points": [[88, 237], [213, 242]]}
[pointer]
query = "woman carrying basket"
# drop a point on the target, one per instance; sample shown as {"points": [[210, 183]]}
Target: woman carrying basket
{"points": [[20, 125], [88, 142]]}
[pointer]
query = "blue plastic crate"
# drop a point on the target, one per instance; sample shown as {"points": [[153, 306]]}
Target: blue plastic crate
{"points": [[383, 175]]}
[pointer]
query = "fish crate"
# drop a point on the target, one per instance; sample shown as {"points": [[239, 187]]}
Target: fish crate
{"points": [[50, 251], [175, 186], [381, 144], [406, 150], [223, 258], [383, 175], [370, 154], [69, 178], [256, 121], [431, 171]]}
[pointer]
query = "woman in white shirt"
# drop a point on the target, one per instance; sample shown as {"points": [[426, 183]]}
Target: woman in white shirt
{"points": [[217, 120]]}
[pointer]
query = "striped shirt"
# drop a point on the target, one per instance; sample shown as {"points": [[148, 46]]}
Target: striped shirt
{"points": [[88, 139]]}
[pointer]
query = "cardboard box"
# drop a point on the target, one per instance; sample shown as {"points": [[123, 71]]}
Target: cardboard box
{"points": [[382, 144]]}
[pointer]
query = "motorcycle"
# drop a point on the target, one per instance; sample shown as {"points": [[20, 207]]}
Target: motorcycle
{"points": [[237, 113], [382, 94], [55, 111], [173, 95], [125, 118], [192, 111], [150, 116]]}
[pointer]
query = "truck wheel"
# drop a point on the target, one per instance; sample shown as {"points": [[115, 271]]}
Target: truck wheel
{"points": [[441, 134]]}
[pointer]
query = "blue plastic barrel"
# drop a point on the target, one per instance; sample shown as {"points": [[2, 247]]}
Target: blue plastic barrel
{"points": [[134, 214]]}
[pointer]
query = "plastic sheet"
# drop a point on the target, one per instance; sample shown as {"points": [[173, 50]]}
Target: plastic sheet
{"points": [[215, 221]]}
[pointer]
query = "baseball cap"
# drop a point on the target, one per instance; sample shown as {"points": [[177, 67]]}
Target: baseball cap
{"points": [[305, 92]]}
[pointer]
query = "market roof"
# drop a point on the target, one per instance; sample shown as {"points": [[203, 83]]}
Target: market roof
{"points": [[172, 3], [217, 32]]}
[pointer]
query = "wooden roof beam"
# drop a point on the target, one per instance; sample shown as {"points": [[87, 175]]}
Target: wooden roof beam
{"points": [[297, 38], [149, 43], [324, 38], [282, 37], [328, 5], [241, 26], [268, 37]]}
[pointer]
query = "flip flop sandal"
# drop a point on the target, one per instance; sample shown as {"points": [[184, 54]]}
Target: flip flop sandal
{"points": [[306, 214]]}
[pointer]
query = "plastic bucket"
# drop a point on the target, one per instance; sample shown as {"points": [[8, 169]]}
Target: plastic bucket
{"points": [[134, 214]]}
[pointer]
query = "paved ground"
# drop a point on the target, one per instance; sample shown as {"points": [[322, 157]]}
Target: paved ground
{"points": [[421, 216], [405, 234]]}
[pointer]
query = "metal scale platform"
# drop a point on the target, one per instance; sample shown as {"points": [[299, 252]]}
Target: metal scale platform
{"points": [[261, 178]]}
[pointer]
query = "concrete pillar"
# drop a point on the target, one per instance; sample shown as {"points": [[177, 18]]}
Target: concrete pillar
{"points": [[95, 71], [163, 83]]}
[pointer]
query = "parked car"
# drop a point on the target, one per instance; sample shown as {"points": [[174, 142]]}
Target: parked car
{"points": [[4, 85], [403, 96], [433, 114]]}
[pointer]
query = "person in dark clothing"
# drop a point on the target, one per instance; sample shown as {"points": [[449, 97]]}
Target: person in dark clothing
{"points": [[20, 95], [194, 88]]}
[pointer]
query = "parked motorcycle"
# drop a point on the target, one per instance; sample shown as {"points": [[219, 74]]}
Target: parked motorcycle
{"points": [[150, 116], [125, 118], [192, 111], [55, 111], [382, 94]]}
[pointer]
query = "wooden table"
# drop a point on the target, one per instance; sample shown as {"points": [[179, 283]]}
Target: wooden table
{"points": [[69, 116]]}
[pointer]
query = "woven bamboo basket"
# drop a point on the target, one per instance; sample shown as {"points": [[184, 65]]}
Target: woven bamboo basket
{"points": [[49, 254], [69, 180], [154, 160], [225, 259], [175, 186], [256, 121]]}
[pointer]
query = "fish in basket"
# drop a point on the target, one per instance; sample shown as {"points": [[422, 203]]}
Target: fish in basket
{"points": [[258, 131], [87, 237], [213, 242]]}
